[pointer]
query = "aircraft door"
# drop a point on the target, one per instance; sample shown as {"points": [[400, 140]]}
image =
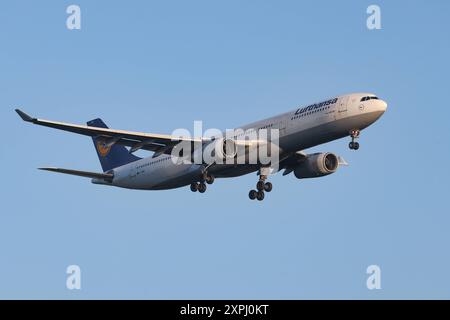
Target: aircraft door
{"points": [[133, 171], [282, 127], [342, 107]]}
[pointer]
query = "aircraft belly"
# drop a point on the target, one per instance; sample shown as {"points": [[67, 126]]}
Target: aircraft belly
{"points": [[234, 170], [182, 175], [153, 178]]}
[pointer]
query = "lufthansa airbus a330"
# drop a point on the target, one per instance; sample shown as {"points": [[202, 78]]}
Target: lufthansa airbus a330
{"points": [[297, 130]]}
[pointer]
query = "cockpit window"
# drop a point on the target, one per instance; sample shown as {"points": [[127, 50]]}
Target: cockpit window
{"points": [[369, 98]]}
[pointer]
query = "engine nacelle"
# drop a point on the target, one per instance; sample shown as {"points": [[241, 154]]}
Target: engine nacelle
{"points": [[225, 149], [317, 165]]}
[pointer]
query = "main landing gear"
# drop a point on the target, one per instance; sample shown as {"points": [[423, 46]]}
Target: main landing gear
{"points": [[201, 186], [354, 145], [261, 186], [198, 186]]}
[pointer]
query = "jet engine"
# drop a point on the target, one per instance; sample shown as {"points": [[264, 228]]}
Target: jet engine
{"points": [[317, 165], [225, 149]]}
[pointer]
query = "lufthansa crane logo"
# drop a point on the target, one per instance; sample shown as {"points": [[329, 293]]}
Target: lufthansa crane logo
{"points": [[102, 148]]}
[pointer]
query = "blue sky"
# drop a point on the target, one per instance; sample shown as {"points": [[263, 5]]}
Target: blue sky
{"points": [[156, 66]]}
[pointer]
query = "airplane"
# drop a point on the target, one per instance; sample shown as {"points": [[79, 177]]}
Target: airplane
{"points": [[299, 129]]}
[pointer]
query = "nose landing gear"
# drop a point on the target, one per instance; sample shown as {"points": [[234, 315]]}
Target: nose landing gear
{"points": [[354, 145], [261, 186]]}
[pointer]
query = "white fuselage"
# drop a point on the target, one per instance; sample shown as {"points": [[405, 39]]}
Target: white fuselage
{"points": [[302, 128]]}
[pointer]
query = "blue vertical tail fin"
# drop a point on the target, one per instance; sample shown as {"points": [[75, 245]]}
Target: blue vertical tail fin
{"points": [[110, 156]]}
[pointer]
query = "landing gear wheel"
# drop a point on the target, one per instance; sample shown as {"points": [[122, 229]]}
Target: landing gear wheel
{"points": [[194, 187], [201, 187], [351, 145], [252, 194], [209, 179], [260, 185], [356, 146], [260, 195]]}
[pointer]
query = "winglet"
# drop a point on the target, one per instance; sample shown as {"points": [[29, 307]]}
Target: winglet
{"points": [[24, 116]]}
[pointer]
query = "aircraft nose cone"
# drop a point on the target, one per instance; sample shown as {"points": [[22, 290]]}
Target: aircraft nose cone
{"points": [[382, 105]]}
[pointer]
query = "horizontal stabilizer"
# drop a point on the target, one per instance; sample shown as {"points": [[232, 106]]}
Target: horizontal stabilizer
{"points": [[86, 174]]}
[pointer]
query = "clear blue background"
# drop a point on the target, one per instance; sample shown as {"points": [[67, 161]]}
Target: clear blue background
{"points": [[157, 66]]}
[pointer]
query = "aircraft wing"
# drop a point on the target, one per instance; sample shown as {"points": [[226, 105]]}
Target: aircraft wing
{"points": [[158, 143], [86, 174]]}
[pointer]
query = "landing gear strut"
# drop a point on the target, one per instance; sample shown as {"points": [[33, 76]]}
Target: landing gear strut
{"points": [[261, 186], [354, 145], [209, 179]]}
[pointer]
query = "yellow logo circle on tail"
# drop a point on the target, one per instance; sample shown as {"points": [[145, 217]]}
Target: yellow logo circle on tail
{"points": [[102, 148]]}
